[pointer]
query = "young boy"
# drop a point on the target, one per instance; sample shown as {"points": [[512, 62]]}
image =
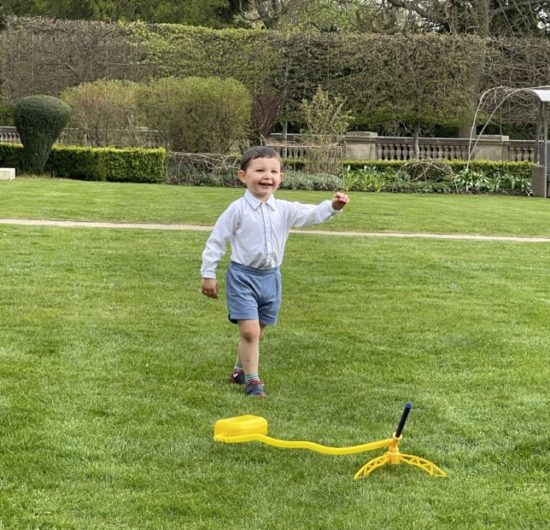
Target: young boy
{"points": [[257, 227]]}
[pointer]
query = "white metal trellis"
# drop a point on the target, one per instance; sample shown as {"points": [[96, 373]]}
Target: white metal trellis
{"points": [[543, 96], [541, 172]]}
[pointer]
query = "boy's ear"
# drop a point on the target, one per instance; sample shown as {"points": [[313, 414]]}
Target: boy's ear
{"points": [[242, 175]]}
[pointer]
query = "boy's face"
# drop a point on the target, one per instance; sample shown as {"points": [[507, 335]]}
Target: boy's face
{"points": [[262, 177]]}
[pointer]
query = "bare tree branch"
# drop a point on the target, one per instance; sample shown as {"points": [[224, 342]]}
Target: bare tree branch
{"points": [[482, 17], [430, 15]]}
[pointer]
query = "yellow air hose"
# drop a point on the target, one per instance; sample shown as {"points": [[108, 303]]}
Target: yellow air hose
{"points": [[248, 428], [312, 446]]}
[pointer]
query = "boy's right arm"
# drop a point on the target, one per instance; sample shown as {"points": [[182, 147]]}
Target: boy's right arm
{"points": [[209, 287], [214, 250]]}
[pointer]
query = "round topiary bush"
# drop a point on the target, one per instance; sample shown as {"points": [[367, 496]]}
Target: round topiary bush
{"points": [[39, 121], [197, 114]]}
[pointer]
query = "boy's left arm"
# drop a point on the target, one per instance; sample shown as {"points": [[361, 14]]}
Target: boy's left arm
{"points": [[339, 200], [312, 214]]}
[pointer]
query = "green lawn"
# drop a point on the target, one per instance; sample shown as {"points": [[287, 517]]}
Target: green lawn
{"points": [[113, 368], [76, 200]]}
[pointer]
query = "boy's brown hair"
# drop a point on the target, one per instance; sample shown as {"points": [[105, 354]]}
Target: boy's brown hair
{"points": [[259, 151]]}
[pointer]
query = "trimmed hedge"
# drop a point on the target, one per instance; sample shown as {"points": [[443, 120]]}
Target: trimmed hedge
{"points": [[11, 155], [414, 176], [88, 163], [109, 164], [491, 168], [420, 78], [149, 165], [439, 176]]}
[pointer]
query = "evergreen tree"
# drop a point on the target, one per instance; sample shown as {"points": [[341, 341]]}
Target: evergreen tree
{"points": [[213, 13]]}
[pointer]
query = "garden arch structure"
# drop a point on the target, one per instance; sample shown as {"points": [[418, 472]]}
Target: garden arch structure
{"points": [[541, 172]]}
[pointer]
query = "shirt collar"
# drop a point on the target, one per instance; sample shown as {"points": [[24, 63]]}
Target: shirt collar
{"points": [[255, 203]]}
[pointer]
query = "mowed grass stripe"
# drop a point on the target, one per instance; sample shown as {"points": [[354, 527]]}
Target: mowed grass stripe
{"points": [[114, 367]]}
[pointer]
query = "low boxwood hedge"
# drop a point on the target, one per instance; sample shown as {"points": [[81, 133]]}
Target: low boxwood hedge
{"points": [[439, 176], [89, 163], [150, 165]]}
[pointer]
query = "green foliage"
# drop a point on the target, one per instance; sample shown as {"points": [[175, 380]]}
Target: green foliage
{"points": [[298, 180], [514, 63], [325, 115], [324, 118], [476, 181], [192, 114], [108, 164], [418, 79], [428, 176], [104, 110], [88, 163], [198, 115], [227, 178], [492, 168], [314, 15], [382, 77], [200, 169], [201, 12], [11, 155], [438, 176], [148, 165], [6, 115], [39, 121], [365, 179], [251, 56], [471, 181]]}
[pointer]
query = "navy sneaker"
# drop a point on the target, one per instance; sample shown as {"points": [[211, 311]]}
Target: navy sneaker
{"points": [[237, 377], [255, 388]]}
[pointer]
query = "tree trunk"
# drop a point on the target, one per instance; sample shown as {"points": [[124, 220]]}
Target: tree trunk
{"points": [[284, 154], [483, 20], [466, 129], [416, 141]]}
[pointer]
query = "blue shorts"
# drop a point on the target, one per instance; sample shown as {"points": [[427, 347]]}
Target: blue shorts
{"points": [[253, 294]]}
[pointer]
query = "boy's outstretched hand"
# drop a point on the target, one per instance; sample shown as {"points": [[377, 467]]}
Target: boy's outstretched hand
{"points": [[209, 287], [339, 200]]}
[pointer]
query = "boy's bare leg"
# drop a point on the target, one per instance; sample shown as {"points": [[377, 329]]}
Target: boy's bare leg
{"points": [[251, 331]]}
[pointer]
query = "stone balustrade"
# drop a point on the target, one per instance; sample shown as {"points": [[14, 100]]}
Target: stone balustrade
{"points": [[141, 137], [363, 145], [9, 135], [370, 146]]}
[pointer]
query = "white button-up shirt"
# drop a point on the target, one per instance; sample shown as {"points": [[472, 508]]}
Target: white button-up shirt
{"points": [[257, 231]]}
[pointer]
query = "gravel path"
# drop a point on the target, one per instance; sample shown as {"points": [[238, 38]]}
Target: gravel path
{"points": [[203, 228]]}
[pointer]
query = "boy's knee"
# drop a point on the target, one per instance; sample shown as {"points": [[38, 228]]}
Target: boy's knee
{"points": [[250, 331], [250, 335]]}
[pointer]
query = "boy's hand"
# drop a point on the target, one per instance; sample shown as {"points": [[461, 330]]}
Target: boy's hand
{"points": [[209, 287], [339, 200]]}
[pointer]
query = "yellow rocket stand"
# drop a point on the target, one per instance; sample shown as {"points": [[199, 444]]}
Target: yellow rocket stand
{"points": [[254, 429]]}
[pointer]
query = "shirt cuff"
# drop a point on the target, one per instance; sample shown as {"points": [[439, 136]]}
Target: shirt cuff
{"points": [[208, 274]]}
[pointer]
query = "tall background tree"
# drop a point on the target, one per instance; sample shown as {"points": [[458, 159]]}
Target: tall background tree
{"points": [[287, 69], [213, 13], [315, 15], [486, 18]]}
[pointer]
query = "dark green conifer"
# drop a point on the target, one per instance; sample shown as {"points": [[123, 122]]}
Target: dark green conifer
{"points": [[39, 121]]}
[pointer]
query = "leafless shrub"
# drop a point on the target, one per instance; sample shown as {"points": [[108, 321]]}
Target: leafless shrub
{"points": [[203, 169]]}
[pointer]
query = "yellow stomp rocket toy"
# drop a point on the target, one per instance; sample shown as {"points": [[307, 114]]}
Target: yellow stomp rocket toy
{"points": [[248, 428]]}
